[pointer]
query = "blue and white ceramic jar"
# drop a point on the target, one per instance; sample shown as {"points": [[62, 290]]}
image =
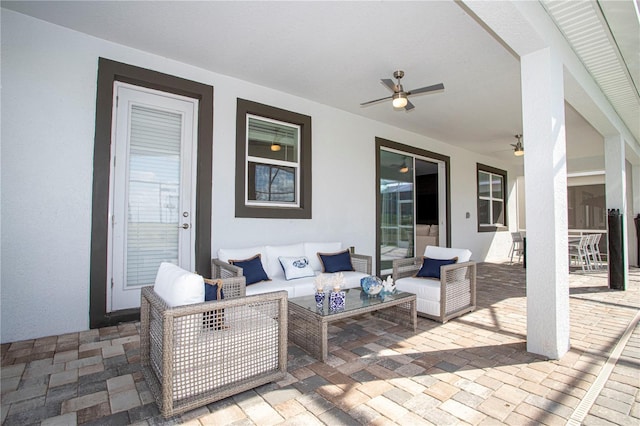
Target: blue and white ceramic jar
{"points": [[336, 300]]}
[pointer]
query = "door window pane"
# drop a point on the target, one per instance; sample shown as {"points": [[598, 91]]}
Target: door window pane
{"points": [[397, 215], [153, 193]]}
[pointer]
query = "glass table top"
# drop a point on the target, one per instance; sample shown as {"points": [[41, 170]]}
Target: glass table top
{"points": [[355, 299]]}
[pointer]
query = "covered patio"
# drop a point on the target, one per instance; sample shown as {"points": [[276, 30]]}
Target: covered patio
{"points": [[472, 370]]}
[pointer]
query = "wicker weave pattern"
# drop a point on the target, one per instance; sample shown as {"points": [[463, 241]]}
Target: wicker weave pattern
{"points": [[195, 354], [220, 269], [308, 329], [457, 286]]}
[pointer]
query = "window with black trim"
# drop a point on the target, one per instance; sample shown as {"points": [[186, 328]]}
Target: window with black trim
{"points": [[273, 162], [492, 205]]}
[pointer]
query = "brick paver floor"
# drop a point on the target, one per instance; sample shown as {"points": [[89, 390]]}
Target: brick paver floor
{"points": [[472, 370]]}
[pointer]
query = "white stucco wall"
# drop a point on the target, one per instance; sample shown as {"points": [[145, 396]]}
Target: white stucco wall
{"points": [[48, 112]]}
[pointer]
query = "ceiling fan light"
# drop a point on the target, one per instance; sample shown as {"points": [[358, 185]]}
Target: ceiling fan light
{"points": [[518, 149], [399, 100]]}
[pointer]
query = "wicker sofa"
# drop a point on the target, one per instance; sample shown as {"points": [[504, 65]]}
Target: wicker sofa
{"points": [[450, 296], [269, 254], [195, 354]]}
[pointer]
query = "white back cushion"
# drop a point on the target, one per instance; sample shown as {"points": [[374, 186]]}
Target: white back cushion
{"points": [[178, 287], [444, 253], [312, 249], [274, 268], [244, 253]]}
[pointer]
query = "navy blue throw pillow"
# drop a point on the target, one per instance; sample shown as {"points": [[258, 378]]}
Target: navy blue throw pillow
{"points": [[251, 269], [213, 290], [431, 267], [336, 262]]}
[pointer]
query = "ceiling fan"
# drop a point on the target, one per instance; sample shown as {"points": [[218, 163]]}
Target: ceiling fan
{"points": [[400, 97], [518, 147]]}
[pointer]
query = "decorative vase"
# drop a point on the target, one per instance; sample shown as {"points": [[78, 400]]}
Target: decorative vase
{"points": [[319, 298], [336, 300]]}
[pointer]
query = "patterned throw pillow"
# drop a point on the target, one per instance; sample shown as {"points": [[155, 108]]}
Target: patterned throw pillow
{"points": [[296, 267]]}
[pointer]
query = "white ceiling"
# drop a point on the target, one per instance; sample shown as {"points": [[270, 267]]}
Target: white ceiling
{"points": [[335, 53]]}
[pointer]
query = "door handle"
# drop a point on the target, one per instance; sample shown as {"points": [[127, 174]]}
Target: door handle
{"points": [[184, 226]]}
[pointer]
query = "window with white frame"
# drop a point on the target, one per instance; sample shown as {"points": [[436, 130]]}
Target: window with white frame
{"points": [[492, 207], [273, 162]]}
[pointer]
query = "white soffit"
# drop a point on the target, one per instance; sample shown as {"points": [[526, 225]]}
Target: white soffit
{"points": [[586, 26]]}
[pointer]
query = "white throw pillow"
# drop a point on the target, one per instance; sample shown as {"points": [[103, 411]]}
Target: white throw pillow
{"points": [[274, 269], [178, 287], [311, 250], [296, 267]]}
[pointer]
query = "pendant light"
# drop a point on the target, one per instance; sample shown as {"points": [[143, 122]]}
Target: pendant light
{"points": [[275, 144], [404, 168]]}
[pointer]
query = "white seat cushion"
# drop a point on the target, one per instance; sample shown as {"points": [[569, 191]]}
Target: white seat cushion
{"points": [[423, 288], [276, 284]]}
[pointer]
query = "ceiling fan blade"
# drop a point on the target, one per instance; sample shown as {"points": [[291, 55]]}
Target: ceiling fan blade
{"points": [[389, 83], [374, 101], [433, 88], [409, 106]]}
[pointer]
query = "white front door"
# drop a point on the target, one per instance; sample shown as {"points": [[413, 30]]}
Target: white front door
{"points": [[152, 189]]}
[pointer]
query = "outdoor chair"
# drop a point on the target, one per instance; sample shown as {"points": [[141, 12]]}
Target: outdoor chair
{"points": [[446, 291], [517, 246], [593, 247], [578, 252], [199, 353]]}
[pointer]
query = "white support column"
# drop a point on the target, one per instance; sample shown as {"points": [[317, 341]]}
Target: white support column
{"points": [[616, 188], [635, 195], [545, 171]]}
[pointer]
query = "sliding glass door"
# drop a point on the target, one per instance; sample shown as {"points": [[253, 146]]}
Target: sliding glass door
{"points": [[397, 215], [412, 202]]}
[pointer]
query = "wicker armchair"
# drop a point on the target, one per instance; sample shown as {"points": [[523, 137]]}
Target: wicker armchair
{"points": [[456, 287], [195, 354]]}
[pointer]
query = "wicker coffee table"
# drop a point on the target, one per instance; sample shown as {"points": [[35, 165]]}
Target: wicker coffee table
{"points": [[308, 323]]}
